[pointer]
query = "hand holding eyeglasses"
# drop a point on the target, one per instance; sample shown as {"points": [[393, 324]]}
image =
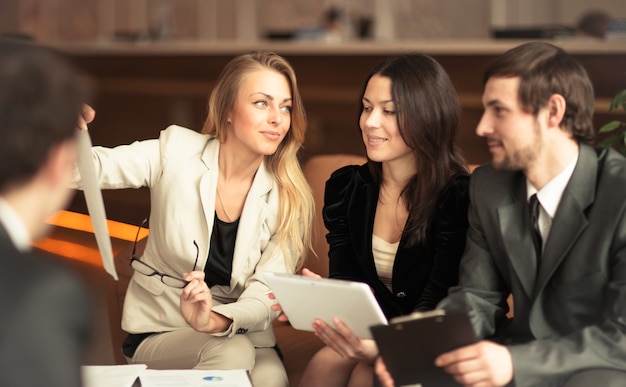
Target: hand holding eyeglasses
{"points": [[196, 301]]}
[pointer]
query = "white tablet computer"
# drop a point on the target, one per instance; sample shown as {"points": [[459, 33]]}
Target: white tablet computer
{"points": [[304, 299]]}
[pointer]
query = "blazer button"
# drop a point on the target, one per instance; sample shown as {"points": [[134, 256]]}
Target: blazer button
{"points": [[241, 331], [400, 294]]}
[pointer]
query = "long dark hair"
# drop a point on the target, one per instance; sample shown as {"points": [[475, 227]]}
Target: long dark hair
{"points": [[428, 113]]}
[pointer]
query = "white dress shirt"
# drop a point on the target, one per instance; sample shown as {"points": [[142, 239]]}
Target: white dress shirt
{"points": [[549, 197]]}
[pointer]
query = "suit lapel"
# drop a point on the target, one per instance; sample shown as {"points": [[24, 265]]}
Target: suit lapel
{"points": [[570, 219], [255, 212], [361, 212], [516, 236], [208, 182]]}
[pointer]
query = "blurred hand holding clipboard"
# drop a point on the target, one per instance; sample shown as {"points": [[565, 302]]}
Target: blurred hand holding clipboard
{"points": [[410, 344]]}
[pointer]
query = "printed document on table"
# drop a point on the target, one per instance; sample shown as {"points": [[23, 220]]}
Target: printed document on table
{"points": [[109, 375], [195, 378]]}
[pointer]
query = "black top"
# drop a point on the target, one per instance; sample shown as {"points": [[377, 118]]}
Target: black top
{"points": [[422, 274], [219, 265]]}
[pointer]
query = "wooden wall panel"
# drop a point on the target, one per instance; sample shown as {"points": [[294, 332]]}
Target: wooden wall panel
{"points": [[139, 95]]}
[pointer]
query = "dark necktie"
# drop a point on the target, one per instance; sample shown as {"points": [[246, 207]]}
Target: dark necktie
{"points": [[534, 223]]}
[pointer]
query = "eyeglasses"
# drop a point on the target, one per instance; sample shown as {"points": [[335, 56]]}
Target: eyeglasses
{"points": [[147, 270]]}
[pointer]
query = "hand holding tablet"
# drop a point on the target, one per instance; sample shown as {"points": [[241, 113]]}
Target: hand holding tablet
{"points": [[303, 299]]}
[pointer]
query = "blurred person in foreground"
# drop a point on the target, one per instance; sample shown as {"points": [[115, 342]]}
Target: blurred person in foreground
{"points": [[45, 320], [564, 259]]}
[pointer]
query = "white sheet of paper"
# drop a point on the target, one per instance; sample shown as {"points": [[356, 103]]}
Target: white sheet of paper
{"points": [[95, 204], [107, 376], [194, 378]]}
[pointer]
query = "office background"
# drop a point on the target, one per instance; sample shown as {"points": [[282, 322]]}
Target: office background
{"points": [[153, 62], [81, 20]]}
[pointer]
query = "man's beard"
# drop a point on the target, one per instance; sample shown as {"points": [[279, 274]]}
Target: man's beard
{"points": [[520, 159]]}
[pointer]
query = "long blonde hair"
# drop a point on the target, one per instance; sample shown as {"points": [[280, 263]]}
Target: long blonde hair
{"points": [[296, 200]]}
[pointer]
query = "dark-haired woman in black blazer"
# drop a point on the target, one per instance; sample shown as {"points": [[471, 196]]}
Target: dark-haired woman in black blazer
{"points": [[398, 222]]}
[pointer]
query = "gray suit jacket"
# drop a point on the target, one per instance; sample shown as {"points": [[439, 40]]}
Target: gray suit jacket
{"points": [[569, 305], [44, 321]]}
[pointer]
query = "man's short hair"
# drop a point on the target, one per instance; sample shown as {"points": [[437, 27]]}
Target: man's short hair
{"points": [[544, 70], [41, 95]]}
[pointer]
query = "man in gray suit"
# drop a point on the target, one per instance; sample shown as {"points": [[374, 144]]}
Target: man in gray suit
{"points": [[44, 311], [566, 270]]}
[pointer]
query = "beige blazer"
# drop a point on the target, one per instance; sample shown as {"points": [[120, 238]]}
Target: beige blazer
{"points": [[180, 168]]}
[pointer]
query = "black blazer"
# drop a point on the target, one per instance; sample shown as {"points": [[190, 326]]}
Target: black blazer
{"points": [[570, 305], [422, 274], [44, 321]]}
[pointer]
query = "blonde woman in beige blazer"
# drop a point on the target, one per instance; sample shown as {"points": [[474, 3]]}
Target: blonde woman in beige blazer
{"points": [[240, 176]]}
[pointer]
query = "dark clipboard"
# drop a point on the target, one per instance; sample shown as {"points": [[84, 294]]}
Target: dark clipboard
{"points": [[410, 344]]}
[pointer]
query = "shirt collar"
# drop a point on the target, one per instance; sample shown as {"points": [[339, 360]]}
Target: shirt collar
{"points": [[550, 195], [14, 226]]}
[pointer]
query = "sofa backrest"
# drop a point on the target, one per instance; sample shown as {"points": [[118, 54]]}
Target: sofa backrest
{"points": [[317, 170]]}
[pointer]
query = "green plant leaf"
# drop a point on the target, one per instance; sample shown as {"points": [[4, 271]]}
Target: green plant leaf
{"points": [[611, 140], [610, 126], [618, 100]]}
